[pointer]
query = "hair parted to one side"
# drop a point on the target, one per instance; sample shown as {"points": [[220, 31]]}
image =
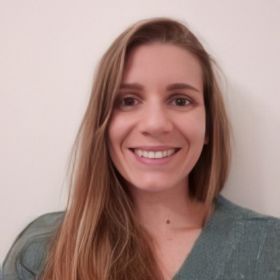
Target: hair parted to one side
{"points": [[100, 238]]}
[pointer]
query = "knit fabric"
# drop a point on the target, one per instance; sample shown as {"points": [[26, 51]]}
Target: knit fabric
{"points": [[236, 243]]}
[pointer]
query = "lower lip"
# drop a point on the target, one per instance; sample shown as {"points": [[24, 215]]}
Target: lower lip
{"points": [[154, 161]]}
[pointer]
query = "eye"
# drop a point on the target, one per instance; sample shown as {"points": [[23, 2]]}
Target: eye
{"points": [[126, 102], [180, 101]]}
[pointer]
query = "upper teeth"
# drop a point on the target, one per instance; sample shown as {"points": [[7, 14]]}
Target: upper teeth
{"points": [[154, 154]]}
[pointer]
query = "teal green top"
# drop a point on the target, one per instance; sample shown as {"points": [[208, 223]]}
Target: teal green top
{"points": [[236, 243]]}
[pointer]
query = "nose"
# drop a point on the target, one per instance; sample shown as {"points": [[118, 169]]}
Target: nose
{"points": [[155, 120]]}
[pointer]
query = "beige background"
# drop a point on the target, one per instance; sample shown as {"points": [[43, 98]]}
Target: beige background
{"points": [[48, 52]]}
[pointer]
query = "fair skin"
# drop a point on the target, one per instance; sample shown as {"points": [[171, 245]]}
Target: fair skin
{"points": [[156, 135]]}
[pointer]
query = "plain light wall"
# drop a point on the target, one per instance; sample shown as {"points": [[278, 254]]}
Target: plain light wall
{"points": [[48, 53]]}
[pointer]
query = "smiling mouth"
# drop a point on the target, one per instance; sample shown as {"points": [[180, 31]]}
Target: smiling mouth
{"points": [[155, 154]]}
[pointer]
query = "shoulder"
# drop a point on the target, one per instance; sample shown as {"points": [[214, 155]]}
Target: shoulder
{"points": [[27, 255], [257, 238], [232, 211]]}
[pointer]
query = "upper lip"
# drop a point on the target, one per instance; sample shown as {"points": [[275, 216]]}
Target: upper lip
{"points": [[155, 148]]}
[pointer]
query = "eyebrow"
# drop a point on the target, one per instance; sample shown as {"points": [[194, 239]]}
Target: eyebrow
{"points": [[181, 86], [174, 86], [131, 86]]}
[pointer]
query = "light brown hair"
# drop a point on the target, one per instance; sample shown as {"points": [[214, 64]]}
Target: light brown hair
{"points": [[100, 238]]}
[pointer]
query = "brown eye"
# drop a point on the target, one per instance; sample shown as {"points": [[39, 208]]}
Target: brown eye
{"points": [[181, 101], [127, 102]]}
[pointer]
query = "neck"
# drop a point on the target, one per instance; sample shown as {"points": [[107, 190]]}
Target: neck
{"points": [[171, 210]]}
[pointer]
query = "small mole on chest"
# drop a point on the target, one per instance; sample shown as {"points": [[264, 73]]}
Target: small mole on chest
{"points": [[168, 221]]}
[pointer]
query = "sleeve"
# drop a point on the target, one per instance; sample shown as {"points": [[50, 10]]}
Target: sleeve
{"points": [[27, 255]]}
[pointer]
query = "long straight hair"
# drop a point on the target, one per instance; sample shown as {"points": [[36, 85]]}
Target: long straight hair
{"points": [[100, 237]]}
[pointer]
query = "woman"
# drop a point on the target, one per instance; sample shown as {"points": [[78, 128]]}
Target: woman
{"points": [[151, 158]]}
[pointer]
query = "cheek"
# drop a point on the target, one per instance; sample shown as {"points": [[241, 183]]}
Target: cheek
{"points": [[114, 140], [193, 126], [118, 132], [119, 128], [113, 134]]}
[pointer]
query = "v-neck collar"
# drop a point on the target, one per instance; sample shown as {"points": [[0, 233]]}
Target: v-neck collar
{"points": [[213, 246]]}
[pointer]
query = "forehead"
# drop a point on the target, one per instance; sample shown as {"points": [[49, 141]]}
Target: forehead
{"points": [[164, 62]]}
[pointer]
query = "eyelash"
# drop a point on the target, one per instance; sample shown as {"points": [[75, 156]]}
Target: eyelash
{"points": [[187, 101], [122, 99]]}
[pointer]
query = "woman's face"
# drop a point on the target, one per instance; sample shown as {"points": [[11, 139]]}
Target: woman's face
{"points": [[157, 129]]}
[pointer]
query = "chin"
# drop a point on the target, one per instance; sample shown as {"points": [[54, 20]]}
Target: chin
{"points": [[154, 187]]}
